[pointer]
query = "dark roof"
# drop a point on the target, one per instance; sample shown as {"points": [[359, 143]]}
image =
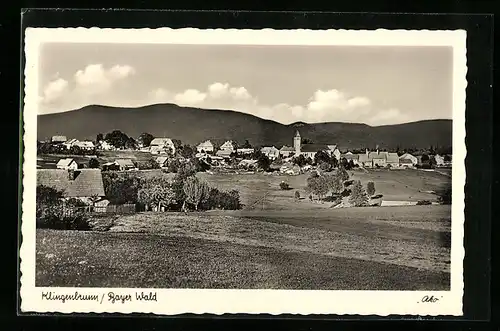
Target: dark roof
{"points": [[405, 160], [87, 182], [313, 147]]}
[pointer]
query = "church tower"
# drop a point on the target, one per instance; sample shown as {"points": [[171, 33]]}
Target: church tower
{"points": [[296, 143]]}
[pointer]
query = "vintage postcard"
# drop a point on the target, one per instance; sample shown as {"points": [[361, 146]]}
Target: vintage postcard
{"points": [[174, 171]]}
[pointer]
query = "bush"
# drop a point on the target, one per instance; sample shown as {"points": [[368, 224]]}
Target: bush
{"points": [[62, 216], [222, 200], [358, 195], [297, 195], [121, 188], [370, 188], [284, 186], [423, 202]]}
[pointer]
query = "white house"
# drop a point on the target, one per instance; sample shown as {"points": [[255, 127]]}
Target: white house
{"points": [[334, 151], [244, 151], [227, 146], [286, 151], [271, 152], [408, 156], [86, 144], [439, 160], [206, 147], [162, 146], [67, 164], [58, 139], [105, 146]]}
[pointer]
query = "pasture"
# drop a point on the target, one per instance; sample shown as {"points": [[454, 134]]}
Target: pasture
{"points": [[262, 191], [394, 249], [274, 242]]}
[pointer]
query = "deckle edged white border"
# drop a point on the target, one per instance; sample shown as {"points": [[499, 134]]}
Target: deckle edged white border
{"points": [[178, 301]]}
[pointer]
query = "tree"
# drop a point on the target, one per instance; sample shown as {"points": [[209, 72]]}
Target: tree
{"points": [[306, 141], [297, 195], [156, 191], [187, 151], [334, 183], [94, 163], [117, 139], [183, 171], [99, 137], [425, 158], [145, 139], [177, 143], [447, 158], [131, 143], [334, 162], [201, 165], [300, 160], [342, 173], [370, 188], [358, 195], [322, 156], [317, 185], [196, 191], [264, 162], [47, 195], [121, 188], [246, 144], [75, 150], [344, 163], [325, 166]]}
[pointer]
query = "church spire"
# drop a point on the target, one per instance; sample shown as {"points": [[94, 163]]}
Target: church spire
{"points": [[297, 134]]}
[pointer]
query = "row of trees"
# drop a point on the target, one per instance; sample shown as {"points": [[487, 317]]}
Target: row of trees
{"points": [[185, 191]]}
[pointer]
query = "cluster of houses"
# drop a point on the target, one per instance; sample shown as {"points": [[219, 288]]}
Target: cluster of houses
{"points": [[164, 148], [82, 144], [87, 184]]}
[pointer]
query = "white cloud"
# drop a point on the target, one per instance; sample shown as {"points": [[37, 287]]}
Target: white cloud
{"points": [[89, 85], [190, 97], [323, 106], [54, 90]]}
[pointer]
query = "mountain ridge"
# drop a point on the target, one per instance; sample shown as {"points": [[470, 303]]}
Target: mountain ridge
{"points": [[193, 125]]}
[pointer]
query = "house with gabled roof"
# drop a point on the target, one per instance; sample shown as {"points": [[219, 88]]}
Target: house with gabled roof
{"points": [[205, 147], [271, 152], [287, 151], [227, 146], [67, 164], [378, 159], [58, 139], [162, 146], [408, 156], [82, 184]]}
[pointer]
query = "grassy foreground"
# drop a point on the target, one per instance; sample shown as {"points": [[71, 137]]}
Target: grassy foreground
{"points": [[153, 261], [394, 248]]}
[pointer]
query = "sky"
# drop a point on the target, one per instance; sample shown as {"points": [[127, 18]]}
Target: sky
{"points": [[363, 84]]}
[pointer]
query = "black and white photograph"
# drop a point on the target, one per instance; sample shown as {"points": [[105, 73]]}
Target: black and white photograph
{"points": [[243, 171]]}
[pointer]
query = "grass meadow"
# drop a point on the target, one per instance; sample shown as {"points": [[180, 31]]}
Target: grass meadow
{"points": [[274, 242]]}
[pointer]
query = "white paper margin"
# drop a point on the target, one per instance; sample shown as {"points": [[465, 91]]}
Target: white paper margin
{"points": [[178, 301]]}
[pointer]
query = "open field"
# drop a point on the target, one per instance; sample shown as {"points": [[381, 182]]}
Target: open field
{"points": [[395, 248], [262, 191]]}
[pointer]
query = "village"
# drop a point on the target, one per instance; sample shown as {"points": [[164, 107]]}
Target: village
{"points": [[79, 175]]}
